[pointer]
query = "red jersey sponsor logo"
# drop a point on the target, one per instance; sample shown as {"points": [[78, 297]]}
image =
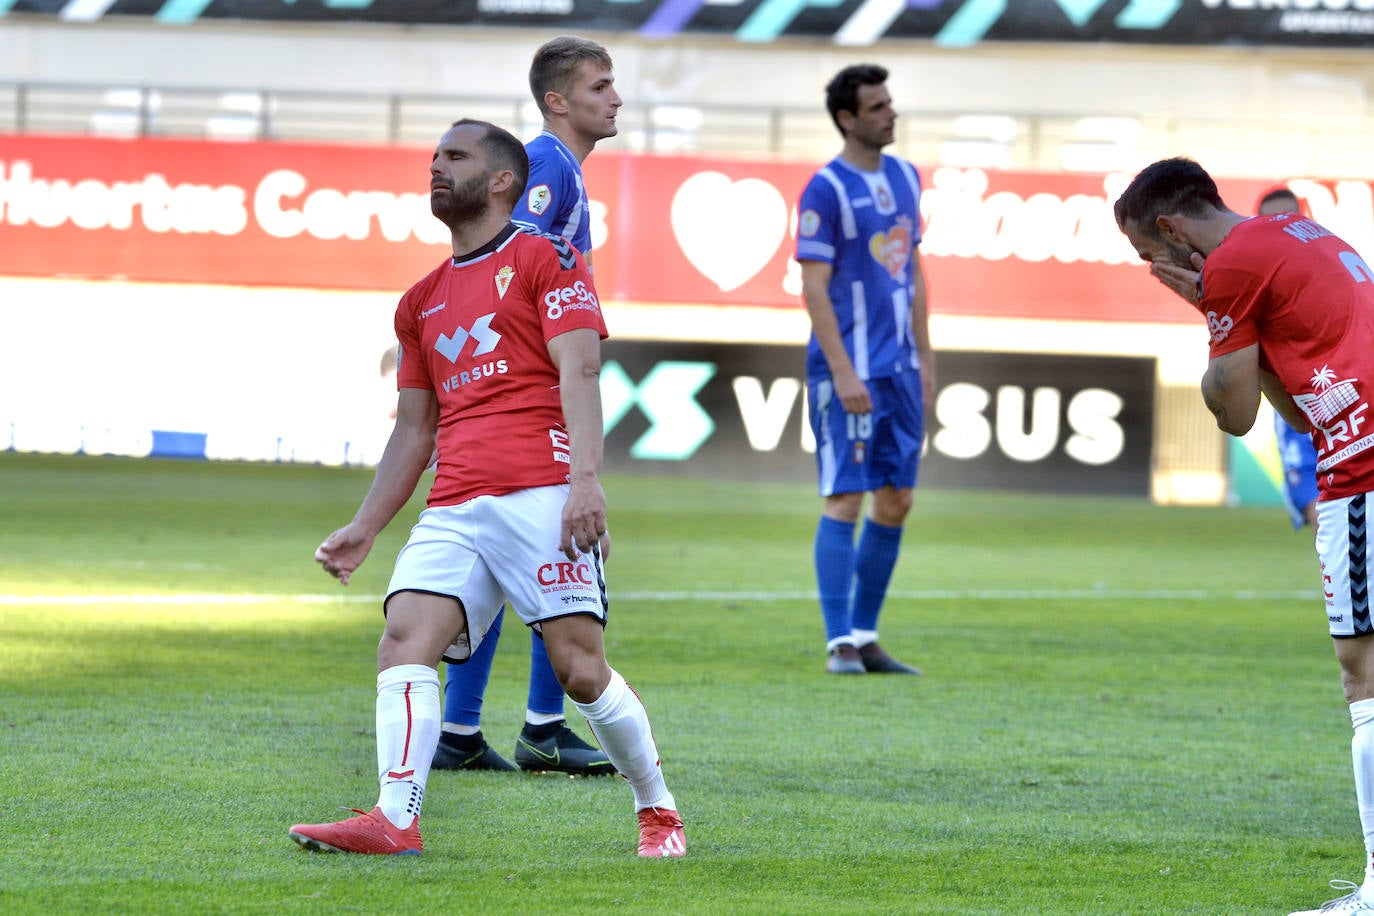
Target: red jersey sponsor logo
{"points": [[484, 338], [565, 574], [1339, 415], [1220, 327], [569, 298]]}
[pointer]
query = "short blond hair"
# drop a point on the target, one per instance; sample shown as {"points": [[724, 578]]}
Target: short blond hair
{"points": [[556, 62]]}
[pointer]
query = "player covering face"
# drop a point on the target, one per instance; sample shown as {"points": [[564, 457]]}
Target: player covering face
{"points": [[1289, 311]]}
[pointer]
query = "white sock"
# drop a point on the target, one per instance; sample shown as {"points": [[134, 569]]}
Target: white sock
{"points": [[1362, 750], [863, 637], [542, 718], [621, 725], [408, 722]]}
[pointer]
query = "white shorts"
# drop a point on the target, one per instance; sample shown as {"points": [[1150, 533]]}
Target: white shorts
{"points": [[1343, 548], [495, 549]]}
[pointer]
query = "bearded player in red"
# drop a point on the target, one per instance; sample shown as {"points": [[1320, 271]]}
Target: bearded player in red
{"points": [[499, 363], [1290, 309]]}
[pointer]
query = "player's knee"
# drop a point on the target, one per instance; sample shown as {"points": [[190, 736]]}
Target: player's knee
{"points": [[390, 651], [1356, 688], [891, 506], [585, 680], [1357, 667], [844, 507]]}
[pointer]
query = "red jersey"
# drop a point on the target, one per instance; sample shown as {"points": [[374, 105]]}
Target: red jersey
{"points": [[476, 333], [1307, 298]]}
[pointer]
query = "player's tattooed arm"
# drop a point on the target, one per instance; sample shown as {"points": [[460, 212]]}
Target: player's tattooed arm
{"points": [[1231, 389]]}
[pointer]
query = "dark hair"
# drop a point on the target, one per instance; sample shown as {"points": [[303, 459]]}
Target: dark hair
{"points": [[1278, 193], [842, 92], [503, 151], [556, 62], [1163, 188]]}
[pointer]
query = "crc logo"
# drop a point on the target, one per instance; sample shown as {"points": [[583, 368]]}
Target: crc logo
{"points": [[551, 574], [486, 339]]}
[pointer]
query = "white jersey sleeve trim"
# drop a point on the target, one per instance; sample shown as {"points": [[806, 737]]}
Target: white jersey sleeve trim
{"points": [[848, 225]]}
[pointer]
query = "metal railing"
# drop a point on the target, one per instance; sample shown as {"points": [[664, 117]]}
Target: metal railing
{"points": [[1262, 147]]}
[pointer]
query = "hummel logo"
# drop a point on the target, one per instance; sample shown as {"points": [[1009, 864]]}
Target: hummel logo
{"points": [[404, 774], [487, 339], [567, 258], [438, 308]]}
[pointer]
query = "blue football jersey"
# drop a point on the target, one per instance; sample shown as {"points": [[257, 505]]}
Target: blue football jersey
{"points": [[555, 200], [1299, 458], [865, 225]]}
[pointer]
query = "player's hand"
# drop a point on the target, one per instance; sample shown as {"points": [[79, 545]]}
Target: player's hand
{"points": [[343, 552], [584, 518], [853, 393], [1180, 279]]}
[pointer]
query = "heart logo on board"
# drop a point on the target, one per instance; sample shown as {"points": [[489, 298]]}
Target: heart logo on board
{"points": [[729, 230]]}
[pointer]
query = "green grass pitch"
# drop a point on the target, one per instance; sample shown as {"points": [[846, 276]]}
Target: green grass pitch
{"points": [[1127, 709]]}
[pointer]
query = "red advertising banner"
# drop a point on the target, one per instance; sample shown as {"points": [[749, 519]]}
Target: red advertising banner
{"points": [[668, 229]]}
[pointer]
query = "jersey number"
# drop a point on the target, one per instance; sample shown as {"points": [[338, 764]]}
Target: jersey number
{"points": [[1357, 267], [860, 425]]}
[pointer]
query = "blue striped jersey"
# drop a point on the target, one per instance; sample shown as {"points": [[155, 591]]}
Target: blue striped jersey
{"points": [[865, 226], [555, 200]]}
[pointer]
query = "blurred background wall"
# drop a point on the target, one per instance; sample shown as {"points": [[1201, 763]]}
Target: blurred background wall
{"points": [[1013, 111], [1080, 103]]}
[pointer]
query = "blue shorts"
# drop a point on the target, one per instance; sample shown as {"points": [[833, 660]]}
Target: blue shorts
{"points": [[859, 453], [1299, 459]]}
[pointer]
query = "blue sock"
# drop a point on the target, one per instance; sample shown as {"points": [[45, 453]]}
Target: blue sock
{"points": [[834, 559], [465, 684], [546, 694], [873, 563]]}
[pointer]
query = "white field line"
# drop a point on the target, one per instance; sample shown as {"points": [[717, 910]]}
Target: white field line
{"points": [[1047, 594]]}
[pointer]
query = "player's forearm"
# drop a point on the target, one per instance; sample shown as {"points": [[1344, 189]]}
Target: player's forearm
{"points": [[579, 388], [1283, 402], [827, 333], [920, 304], [405, 458], [1231, 389], [920, 321]]}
